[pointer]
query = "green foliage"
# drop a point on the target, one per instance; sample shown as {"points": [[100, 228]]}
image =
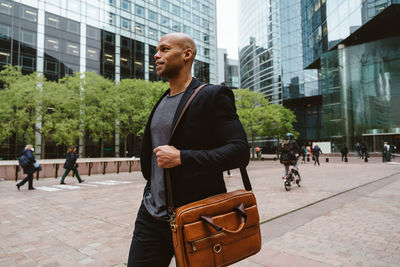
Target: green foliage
{"points": [[261, 119], [19, 102]]}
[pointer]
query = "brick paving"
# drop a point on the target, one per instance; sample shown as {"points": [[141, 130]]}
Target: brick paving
{"points": [[92, 223]]}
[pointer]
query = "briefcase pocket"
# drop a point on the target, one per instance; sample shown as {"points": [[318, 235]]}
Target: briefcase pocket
{"points": [[205, 244]]}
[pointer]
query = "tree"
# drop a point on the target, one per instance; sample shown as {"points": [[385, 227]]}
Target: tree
{"points": [[136, 99], [99, 108], [19, 102], [259, 118]]}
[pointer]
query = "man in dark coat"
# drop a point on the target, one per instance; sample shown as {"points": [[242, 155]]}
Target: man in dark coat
{"points": [[208, 140], [29, 169], [344, 151]]}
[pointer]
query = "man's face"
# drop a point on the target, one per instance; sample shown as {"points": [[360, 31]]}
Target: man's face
{"points": [[169, 57]]}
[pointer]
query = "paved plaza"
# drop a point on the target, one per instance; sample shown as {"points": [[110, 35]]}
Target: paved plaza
{"points": [[345, 214]]}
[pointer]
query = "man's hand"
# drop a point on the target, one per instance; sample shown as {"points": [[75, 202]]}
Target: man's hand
{"points": [[167, 156]]}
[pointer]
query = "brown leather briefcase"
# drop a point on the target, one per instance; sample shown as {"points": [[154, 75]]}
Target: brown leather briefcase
{"points": [[216, 231]]}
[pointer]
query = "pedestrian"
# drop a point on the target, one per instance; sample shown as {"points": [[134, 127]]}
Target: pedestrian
{"points": [[208, 140], [344, 151], [27, 166], [316, 152], [71, 165], [304, 153], [357, 150], [386, 154], [363, 149]]}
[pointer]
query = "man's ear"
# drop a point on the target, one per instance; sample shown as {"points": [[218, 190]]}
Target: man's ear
{"points": [[188, 54]]}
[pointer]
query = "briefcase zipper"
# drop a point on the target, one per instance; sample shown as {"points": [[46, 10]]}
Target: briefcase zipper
{"points": [[193, 243]]}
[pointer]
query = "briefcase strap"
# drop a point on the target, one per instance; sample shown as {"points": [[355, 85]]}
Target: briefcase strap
{"points": [[170, 201]]}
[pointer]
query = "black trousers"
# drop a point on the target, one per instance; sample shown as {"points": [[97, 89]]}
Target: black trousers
{"points": [[29, 178], [151, 242], [316, 159]]}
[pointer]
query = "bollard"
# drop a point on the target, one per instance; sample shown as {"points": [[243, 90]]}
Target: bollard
{"points": [[130, 166], [90, 165], [16, 172], [308, 158], [118, 163], [37, 175], [56, 166], [327, 160], [365, 159], [346, 160], [104, 167]]}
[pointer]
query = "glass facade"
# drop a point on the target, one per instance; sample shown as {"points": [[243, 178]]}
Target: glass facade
{"points": [[361, 93], [259, 50], [115, 38], [328, 22]]}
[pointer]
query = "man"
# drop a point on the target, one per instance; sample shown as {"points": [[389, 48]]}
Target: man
{"points": [[208, 140], [290, 152], [28, 168], [316, 152], [344, 151]]}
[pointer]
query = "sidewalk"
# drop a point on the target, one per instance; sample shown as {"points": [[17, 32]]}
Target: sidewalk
{"points": [[91, 224]]}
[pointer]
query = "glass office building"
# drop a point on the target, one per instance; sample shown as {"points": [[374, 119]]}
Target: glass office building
{"points": [[114, 38], [259, 54], [355, 46]]}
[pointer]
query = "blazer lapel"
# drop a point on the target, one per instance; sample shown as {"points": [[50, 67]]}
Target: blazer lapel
{"points": [[186, 95]]}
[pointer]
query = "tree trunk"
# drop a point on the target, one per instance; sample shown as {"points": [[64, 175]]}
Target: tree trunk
{"points": [[277, 149], [125, 145], [43, 150], [101, 148], [252, 147]]}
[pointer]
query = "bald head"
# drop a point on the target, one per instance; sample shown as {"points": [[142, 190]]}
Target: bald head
{"points": [[181, 39]]}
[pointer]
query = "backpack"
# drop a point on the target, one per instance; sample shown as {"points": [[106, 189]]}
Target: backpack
{"points": [[24, 161], [287, 152]]}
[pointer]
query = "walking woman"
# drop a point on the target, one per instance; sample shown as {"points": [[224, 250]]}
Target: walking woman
{"points": [[27, 166], [70, 164]]}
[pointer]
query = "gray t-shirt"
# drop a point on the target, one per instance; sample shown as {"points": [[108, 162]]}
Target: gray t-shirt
{"points": [[160, 128]]}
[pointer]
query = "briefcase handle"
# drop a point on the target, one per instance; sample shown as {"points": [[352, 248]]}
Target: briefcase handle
{"points": [[240, 209], [170, 201]]}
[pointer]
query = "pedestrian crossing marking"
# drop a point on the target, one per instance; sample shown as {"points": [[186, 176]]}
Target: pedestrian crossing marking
{"points": [[48, 188], [60, 187]]}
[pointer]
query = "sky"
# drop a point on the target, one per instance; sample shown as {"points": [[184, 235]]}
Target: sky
{"points": [[227, 26]]}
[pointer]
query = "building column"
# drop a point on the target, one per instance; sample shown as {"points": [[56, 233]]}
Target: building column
{"points": [[345, 96], [82, 70], [117, 80], [39, 69]]}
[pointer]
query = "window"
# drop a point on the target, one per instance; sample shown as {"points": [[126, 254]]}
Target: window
{"points": [[50, 66], [5, 7], [70, 69], [29, 13], [28, 38], [139, 29], [186, 15], [111, 2], [124, 62], [139, 10], [154, 2], [204, 8], [52, 43], [164, 21], [196, 4], [176, 10], [92, 53], [92, 12], [126, 5], [187, 30], [4, 57], [73, 27], [196, 19], [206, 38], [4, 32], [28, 62], [196, 34], [153, 33], [92, 33], [111, 18], [165, 5], [52, 21], [206, 52], [153, 16], [109, 37], [205, 23], [125, 23], [176, 26], [72, 48], [125, 42], [74, 5], [109, 58]]}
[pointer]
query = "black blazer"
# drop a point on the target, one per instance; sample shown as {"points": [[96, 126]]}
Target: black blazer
{"points": [[211, 139]]}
